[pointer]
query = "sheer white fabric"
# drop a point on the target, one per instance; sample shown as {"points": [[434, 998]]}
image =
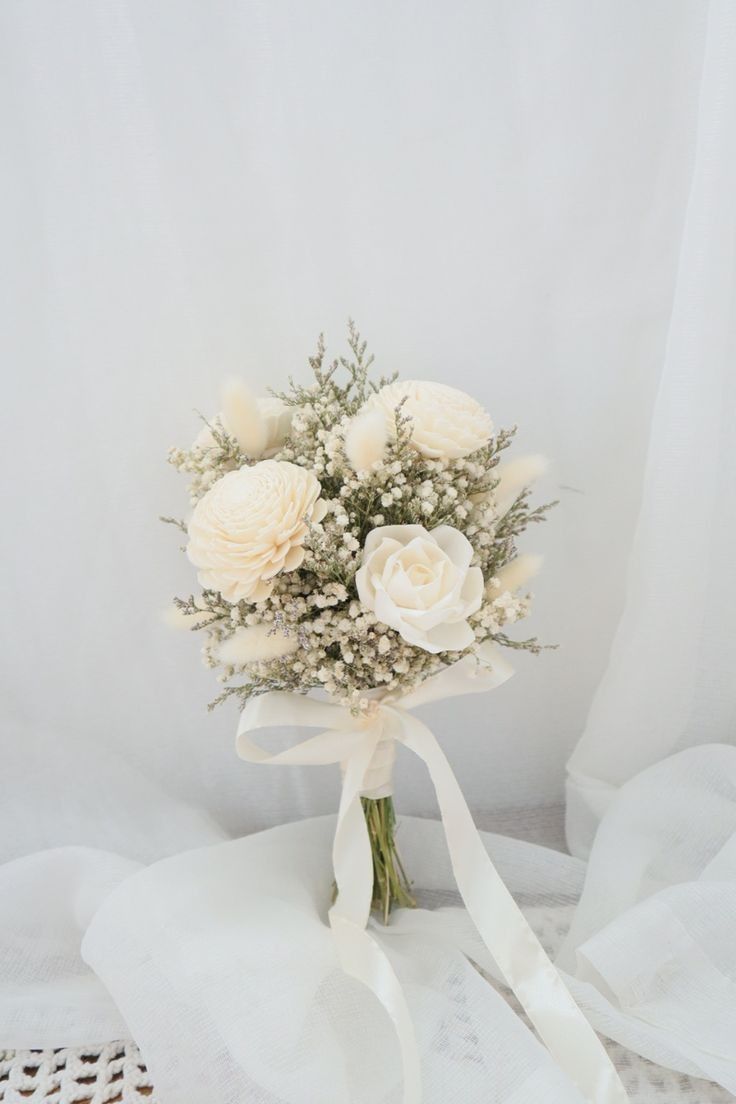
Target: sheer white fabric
{"points": [[198, 956], [669, 682]]}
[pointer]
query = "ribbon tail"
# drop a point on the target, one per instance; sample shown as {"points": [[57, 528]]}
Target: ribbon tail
{"points": [[360, 955], [506, 933]]}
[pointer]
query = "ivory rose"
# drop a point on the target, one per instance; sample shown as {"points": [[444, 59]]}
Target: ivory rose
{"points": [[446, 424], [251, 525], [421, 584]]}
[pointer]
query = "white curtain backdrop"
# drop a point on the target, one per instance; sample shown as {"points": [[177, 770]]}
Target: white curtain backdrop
{"points": [[534, 201], [496, 191], [669, 682]]}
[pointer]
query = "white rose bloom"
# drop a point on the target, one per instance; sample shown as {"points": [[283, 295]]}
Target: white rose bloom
{"points": [[421, 584], [446, 423], [251, 525]]}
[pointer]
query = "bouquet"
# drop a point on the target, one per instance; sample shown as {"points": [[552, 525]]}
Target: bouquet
{"points": [[355, 536], [355, 545]]}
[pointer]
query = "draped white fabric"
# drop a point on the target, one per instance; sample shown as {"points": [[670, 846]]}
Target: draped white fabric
{"points": [[533, 201], [199, 955], [669, 682]]}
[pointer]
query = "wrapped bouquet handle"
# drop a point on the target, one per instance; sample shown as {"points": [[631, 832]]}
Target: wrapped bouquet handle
{"points": [[353, 741]]}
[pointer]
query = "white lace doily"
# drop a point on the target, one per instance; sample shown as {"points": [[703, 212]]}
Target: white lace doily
{"points": [[112, 1074]]}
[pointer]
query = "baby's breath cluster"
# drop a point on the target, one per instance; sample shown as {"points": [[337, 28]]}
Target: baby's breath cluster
{"points": [[212, 453], [318, 620]]}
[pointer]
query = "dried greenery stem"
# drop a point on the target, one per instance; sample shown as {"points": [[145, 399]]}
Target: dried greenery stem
{"points": [[391, 887]]}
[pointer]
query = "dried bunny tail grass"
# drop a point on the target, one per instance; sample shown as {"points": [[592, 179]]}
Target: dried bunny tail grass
{"points": [[177, 618], [366, 439], [253, 644], [242, 417], [514, 575], [515, 476]]}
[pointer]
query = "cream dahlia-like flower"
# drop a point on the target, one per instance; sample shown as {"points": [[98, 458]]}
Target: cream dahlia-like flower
{"points": [[421, 584], [445, 423], [251, 525]]}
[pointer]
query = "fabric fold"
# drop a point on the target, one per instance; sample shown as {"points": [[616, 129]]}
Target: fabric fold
{"points": [[220, 963], [502, 926]]}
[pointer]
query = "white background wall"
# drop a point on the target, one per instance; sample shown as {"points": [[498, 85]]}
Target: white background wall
{"points": [[495, 191]]}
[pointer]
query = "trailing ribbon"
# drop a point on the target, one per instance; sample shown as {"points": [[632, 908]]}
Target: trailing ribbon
{"points": [[357, 743]]}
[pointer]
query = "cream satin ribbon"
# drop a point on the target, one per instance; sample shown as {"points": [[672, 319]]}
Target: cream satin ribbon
{"points": [[355, 742]]}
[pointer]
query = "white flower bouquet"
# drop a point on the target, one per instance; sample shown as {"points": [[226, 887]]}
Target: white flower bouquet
{"points": [[355, 542], [356, 538]]}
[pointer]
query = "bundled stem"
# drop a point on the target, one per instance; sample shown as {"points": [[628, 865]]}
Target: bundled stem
{"points": [[391, 887]]}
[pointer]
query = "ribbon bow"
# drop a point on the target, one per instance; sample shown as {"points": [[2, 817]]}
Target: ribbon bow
{"points": [[364, 746]]}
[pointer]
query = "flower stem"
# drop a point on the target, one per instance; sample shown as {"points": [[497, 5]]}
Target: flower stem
{"points": [[391, 887]]}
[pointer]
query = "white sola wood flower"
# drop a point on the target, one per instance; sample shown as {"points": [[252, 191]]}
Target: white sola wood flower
{"points": [[251, 525], [421, 584], [446, 424]]}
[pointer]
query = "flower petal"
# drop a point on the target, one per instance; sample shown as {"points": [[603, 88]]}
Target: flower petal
{"points": [[454, 544]]}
